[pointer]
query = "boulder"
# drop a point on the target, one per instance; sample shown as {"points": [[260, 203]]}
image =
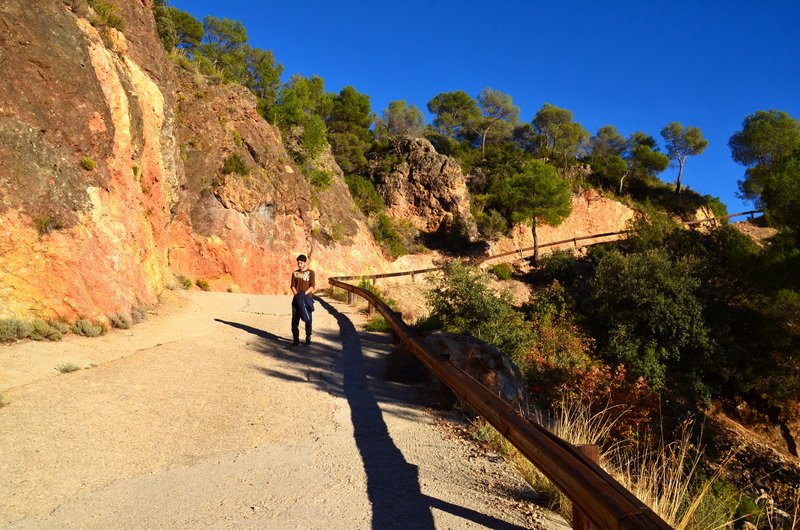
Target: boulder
{"points": [[484, 363]]}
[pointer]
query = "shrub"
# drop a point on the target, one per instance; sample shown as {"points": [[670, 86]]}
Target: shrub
{"points": [[561, 265], [45, 331], [491, 224], [12, 329], [234, 164], [47, 224], [185, 282], [202, 284], [320, 178], [67, 368], [88, 328], [386, 236], [105, 15], [502, 271], [87, 163], [237, 138], [462, 302], [314, 138], [120, 321], [377, 324], [59, 325], [364, 194], [139, 312]]}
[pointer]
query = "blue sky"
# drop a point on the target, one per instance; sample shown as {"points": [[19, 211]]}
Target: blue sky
{"points": [[634, 65]]}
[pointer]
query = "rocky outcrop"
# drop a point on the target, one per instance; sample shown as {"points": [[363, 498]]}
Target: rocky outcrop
{"points": [[426, 188], [484, 363], [112, 175], [591, 214]]}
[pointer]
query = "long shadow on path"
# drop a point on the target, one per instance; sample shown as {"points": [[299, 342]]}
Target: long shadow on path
{"points": [[393, 484]]}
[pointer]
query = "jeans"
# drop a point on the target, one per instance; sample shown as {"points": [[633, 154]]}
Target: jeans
{"points": [[296, 323]]}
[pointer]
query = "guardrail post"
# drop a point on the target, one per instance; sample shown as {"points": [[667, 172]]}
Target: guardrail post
{"points": [[370, 310], [412, 277], [374, 280], [349, 298], [579, 519]]}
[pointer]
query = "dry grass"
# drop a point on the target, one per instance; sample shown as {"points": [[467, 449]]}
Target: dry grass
{"points": [[662, 477]]}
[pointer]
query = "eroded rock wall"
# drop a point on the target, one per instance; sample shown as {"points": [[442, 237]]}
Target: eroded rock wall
{"points": [[591, 214], [112, 182]]}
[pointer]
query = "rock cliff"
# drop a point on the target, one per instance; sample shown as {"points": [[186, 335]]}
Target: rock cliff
{"points": [[112, 182]]}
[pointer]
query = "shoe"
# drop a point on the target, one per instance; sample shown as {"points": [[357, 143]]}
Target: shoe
{"points": [[296, 343], [308, 341]]}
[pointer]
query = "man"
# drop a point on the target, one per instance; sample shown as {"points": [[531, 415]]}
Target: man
{"points": [[303, 289]]}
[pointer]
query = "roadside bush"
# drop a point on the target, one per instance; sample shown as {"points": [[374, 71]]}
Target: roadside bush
{"points": [[120, 321], [60, 326], [13, 329], [462, 302], [87, 328], [202, 284], [185, 282], [45, 331], [139, 312], [502, 271]]}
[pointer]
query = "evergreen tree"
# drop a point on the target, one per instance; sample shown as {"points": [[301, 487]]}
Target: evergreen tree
{"points": [[536, 195], [681, 144]]}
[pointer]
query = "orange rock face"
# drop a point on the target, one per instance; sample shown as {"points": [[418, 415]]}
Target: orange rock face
{"points": [[591, 214], [107, 194]]}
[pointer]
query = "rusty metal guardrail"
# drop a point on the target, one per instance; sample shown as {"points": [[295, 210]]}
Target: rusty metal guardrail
{"points": [[597, 495]]}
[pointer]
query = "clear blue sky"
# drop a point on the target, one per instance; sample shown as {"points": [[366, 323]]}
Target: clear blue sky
{"points": [[636, 65]]}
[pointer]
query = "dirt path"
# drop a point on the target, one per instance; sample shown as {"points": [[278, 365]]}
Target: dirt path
{"points": [[203, 416]]}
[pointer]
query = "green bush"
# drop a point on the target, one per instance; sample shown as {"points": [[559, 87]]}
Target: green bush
{"points": [[45, 331], [387, 236], [377, 324], [502, 271], [106, 15], [59, 325], [462, 302], [491, 224], [47, 224], [561, 265], [320, 178], [234, 164], [88, 328], [185, 282], [67, 368], [87, 163], [13, 329], [120, 321], [314, 138], [364, 194], [202, 284]]}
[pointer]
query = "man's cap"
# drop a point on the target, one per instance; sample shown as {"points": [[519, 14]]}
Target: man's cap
{"points": [[302, 257]]}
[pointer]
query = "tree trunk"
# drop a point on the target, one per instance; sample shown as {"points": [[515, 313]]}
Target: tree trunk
{"points": [[535, 242], [681, 162]]}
